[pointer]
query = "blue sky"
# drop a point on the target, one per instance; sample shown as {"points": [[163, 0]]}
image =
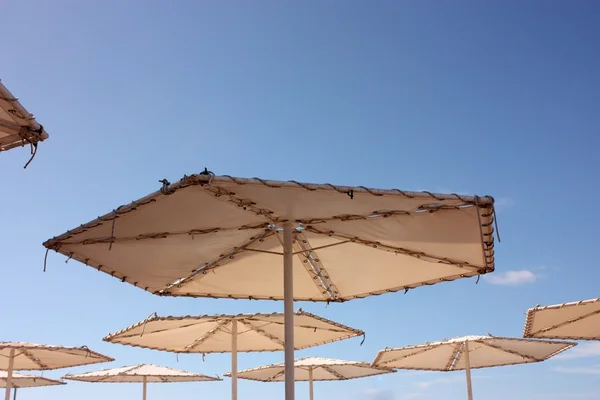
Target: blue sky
{"points": [[495, 98]]}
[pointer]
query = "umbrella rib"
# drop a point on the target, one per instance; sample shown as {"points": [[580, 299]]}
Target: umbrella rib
{"points": [[262, 332], [456, 354], [397, 250], [567, 322], [161, 235], [380, 214], [220, 261], [277, 375], [513, 352], [34, 359], [248, 205], [317, 272], [136, 334], [414, 353], [206, 336], [340, 330], [333, 372]]}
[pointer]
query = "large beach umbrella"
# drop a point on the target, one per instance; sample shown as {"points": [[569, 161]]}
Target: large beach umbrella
{"points": [[42, 357], [142, 373], [18, 126], [230, 334], [314, 369], [469, 352], [577, 321], [225, 237], [26, 381]]}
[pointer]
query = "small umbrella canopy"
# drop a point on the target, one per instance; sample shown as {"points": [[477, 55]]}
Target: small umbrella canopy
{"points": [[18, 127], [467, 352], [314, 369], [31, 356], [27, 381], [41, 357], [214, 333], [577, 321], [225, 237], [230, 333], [142, 373]]}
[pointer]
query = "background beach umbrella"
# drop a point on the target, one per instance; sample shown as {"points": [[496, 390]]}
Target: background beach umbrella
{"points": [[27, 381], [314, 369], [577, 321], [225, 237], [41, 357], [230, 334], [18, 126], [469, 352], [142, 373]]}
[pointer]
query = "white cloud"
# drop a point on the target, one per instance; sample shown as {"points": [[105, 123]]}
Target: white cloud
{"points": [[378, 394], [594, 370], [585, 350], [511, 278], [569, 395], [438, 381], [502, 203]]}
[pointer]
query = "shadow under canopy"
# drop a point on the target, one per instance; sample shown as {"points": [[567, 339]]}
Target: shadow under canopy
{"points": [[225, 237]]}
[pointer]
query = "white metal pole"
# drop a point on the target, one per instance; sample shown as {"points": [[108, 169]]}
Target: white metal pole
{"points": [[11, 363], [234, 367], [288, 308], [468, 370], [145, 384], [310, 383]]}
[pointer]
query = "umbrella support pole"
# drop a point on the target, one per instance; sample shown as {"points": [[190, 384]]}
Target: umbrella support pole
{"points": [[234, 367], [288, 307], [11, 361], [310, 383], [145, 384], [15, 394], [468, 371]]}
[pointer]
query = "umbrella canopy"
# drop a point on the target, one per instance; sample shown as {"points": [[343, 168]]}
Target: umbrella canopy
{"points": [[314, 369], [142, 373], [226, 237], [230, 333], [577, 321], [323, 369], [31, 356], [209, 236], [214, 333], [27, 381], [18, 127], [468, 352]]}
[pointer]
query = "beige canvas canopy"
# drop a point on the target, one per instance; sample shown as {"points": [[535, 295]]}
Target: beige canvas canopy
{"points": [[142, 373], [577, 321], [469, 352], [30, 356], [18, 127], [314, 369], [226, 237], [27, 381], [230, 333]]}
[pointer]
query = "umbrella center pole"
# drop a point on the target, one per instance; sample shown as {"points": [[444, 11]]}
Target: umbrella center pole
{"points": [[468, 371], [234, 367], [310, 383], [144, 387], [11, 363], [288, 307]]}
